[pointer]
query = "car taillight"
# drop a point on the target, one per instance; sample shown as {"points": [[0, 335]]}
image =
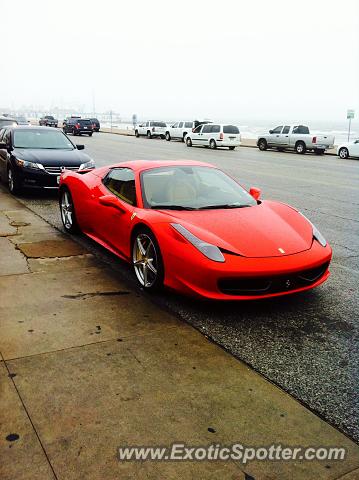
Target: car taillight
{"points": [[221, 136], [314, 140]]}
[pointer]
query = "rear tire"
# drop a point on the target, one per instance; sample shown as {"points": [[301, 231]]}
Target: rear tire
{"points": [[231, 148], [188, 142], [212, 144], [137, 135], [262, 144], [147, 260], [67, 211], [300, 148], [184, 137], [168, 136], [90, 134], [149, 135], [344, 153]]}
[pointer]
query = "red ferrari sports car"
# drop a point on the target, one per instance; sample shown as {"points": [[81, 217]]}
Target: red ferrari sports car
{"points": [[189, 226]]}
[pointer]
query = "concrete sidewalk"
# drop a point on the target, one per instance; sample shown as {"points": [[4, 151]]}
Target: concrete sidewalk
{"points": [[88, 365]]}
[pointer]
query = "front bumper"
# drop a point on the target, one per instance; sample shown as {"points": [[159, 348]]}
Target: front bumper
{"points": [[33, 178], [243, 278]]}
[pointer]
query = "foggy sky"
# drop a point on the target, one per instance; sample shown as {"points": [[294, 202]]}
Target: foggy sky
{"points": [[225, 59]]}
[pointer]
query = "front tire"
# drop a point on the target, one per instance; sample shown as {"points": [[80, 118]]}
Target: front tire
{"points": [[344, 153], [149, 135], [67, 210], [188, 142], [168, 136], [137, 135], [300, 148], [212, 144], [13, 182], [262, 144], [147, 260]]}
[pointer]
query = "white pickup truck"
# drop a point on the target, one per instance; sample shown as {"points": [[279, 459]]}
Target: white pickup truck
{"points": [[297, 137]]}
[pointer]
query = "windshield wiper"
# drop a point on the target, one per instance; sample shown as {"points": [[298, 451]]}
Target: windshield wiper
{"points": [[226, 205], [172, 207]]}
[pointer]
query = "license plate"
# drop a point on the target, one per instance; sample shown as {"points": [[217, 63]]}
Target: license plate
{"points": [[58, 179], [85, 128]]}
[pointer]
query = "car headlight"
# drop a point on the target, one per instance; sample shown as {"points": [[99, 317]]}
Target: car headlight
{"points": [[318, 236], [208, 250], [26, 164], [316, 233], [87, 165]]}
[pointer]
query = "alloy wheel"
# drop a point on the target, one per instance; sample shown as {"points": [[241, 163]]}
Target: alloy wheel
{"points": [[343, 153], [10, 177], [145, 261], [66, 210]]}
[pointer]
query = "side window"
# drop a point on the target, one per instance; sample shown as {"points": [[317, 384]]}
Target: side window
{"points": [[286, 129], [277, 129], [197, 129], [1, 133], [180, 125], [207, 128], [121, 182], [175, 125], [188, 124], [215, 128]]}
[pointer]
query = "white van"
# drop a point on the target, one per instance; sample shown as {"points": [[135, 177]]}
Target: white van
{"points": [[215, 135]]}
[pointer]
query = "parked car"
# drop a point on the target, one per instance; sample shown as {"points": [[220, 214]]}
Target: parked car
{"points": [[95, 124], [214, 135], [151, 129], [48, 121], [7, 121], [35, 157], [348, 149], [296, 137], [189, 226], [179, 130], [22, 121], [77, 126]]}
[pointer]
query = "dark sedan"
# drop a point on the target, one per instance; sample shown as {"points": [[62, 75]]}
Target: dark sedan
{"points": [[35, 157]]}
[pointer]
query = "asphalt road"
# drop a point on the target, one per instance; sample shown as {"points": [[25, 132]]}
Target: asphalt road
{"points": [[305, 343]]}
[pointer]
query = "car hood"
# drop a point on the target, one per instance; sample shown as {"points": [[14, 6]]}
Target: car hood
{"points": [[269, 229], [50, 157]]}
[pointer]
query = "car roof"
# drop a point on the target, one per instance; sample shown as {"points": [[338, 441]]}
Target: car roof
{"points": [[140, 165], [34, 128]]}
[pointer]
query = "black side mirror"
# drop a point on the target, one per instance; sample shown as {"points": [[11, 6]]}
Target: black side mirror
{"points": [[3, 146], [80, 147], [270, 131]]}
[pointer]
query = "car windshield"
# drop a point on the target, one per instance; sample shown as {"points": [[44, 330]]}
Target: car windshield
{"points": [[192, 188], [39, 139]]}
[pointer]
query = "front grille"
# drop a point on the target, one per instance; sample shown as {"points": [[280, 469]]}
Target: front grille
{"points": [[57, 170], [248, 286]]}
